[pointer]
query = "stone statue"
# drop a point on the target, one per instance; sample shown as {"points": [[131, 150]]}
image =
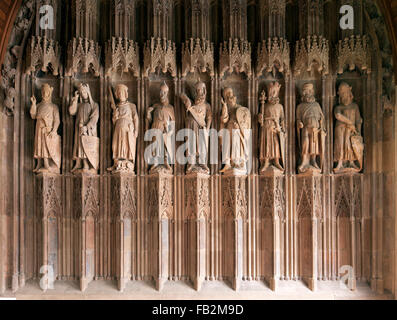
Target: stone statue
{"points": [[86, 141], [198, 118], [47, 142], [349, 145], [161, 116], [272, 134], [236, 119], [311, 132], [126, 127]]}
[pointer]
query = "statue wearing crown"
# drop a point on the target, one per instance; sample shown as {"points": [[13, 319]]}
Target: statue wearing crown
{"points": [[272, 131]]}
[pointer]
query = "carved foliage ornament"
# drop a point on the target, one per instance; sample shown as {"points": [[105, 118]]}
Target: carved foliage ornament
{"points": [[353, 52], [83, 56], [52, 203], [197, 198], [309, 197], [234, 197], [235, 55], [273, 7], [122, 55], [43, 53], [90, 198], [273, 54], [312, 53], [198, 56], [124, 7], [159, 53]]}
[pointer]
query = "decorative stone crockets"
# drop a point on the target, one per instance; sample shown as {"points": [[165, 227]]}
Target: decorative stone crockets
{"points": [[198, 56], [122, 55], [273, 54], [43, 53], [83, 56], [312, 53], [353, 52], [159, 53], [235, 55]]}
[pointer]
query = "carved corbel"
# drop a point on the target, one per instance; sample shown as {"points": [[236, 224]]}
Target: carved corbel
{"points": [[122, 55], [198, 55], [43, 53], [273, 55], [159, 53], [312, 53], [83, 56], [235, 55], [353, 52]]}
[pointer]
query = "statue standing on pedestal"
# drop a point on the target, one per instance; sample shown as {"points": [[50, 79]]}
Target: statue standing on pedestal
{"points": [[86, 141], [198, 119], [236, 119], [126, 127], [349, 145], [161, 117], [272, 134], [311, 131], [47, 142]]}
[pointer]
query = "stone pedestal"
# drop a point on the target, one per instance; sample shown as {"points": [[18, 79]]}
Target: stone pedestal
{"points": [[160, 201], [197, 209], [234, 211], [48, 188], [272, 214], [309, 208], [124, 211], [86, 207]]}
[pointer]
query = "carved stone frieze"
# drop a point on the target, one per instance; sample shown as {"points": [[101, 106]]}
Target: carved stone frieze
{"points": [[309, 197], [161, 196], [124, 202], [235, 55], [273, 54], [312, 53], [83, 56], [159, 53], [43, 53], [197, 196], [122, 55], [49, 195], [272, 197], [353, 53], [234, 197], [198, 56], [86, 193]]}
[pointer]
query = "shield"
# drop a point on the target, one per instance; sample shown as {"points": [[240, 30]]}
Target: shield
{"points": [[243, 117], [54, 148], [358, 148], [91, 148]]}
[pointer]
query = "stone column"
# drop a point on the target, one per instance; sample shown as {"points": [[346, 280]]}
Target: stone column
{"points": [[272, 209], [86, 206], [309, 194], [123, 188], [197, 209], [49, 208], [160, 202], [234, 211]]}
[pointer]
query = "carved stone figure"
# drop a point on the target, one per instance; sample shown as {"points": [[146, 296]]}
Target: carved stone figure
{"points": [[236, 119], [161, 117], [126, 126], [198, 119], [47, 142], [311, 131], [86, 141], [348, 146], [272, 134]]}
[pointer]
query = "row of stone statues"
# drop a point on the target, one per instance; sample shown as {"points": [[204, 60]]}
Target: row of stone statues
{"points": [[235, 121]]}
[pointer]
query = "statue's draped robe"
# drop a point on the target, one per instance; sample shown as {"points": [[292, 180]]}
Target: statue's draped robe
{"points": [[233, 148], [311, 115], [203, 112], [87, 115], [125, 121], [270, 138], [48, 120], [343, 149], [163, 115]]}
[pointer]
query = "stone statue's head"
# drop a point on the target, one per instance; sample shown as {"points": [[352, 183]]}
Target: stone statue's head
{"points": [[201, 92], [164, 93], [84, 90], [121, 92], [345, 94], [46, 92], [229, 97], [308, 92], [274, 90]]}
